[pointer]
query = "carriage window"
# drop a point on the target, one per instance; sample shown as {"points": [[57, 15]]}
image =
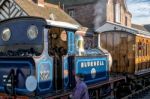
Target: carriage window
{"points": [[139, 49], [32, 32], [6, 34], [146, 48]]}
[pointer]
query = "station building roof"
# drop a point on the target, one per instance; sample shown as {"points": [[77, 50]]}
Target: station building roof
{"points": [[71, 2], [147, 27], [47, 11], [140, 27]]}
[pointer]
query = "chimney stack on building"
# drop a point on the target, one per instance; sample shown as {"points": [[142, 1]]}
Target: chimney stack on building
{"points": [[39, 2]]}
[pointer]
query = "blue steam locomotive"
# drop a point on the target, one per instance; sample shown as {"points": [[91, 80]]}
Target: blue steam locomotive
{"points": [[42, 56]]}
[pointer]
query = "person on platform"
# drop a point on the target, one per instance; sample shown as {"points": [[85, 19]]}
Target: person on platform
{"points": [[81, 90]]}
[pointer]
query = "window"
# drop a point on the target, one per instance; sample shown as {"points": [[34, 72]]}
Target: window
{"points": [[6, 34], [126, 21], [117, 13], [139, 49], [32, 32], [35, 1], [71, 12]]}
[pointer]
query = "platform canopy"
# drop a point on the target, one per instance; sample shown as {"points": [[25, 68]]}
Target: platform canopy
{"points": [[108, 26]]}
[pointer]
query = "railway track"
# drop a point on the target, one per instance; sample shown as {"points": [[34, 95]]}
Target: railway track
{"points": [[141, 94]]}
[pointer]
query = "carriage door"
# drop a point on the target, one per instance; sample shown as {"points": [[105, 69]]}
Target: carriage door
{"points": [[58, 49]]}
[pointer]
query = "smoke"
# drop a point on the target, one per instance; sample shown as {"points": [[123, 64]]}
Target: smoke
{"points": [[99, 13]]}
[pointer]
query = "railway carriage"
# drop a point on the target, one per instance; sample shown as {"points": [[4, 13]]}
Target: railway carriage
{"points": [[129, 48]]}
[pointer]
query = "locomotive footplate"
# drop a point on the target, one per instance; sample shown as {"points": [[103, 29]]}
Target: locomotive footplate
{"points": [[110, 81], [105, 88], [65, 94]]}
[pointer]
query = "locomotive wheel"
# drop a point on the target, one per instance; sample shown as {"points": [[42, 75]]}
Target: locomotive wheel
{"points": [[123, 90]]}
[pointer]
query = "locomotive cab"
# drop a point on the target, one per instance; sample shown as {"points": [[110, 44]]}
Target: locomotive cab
{"points": [[61, 47], [57, 39]]}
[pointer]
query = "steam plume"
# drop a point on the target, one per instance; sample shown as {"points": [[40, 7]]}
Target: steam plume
{"points": [[99, 13]]}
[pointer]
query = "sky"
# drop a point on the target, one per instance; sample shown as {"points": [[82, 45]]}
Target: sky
{"points": [[140, 10]]}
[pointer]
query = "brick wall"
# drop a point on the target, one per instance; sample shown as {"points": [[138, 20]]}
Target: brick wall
{"points": [[84, 14], [125, 16], [110, 11]]}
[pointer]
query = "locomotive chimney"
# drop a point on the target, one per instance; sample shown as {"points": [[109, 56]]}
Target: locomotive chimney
{"points": [[39, 2]]}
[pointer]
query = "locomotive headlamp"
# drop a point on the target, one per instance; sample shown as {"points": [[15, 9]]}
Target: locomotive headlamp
{"points": [[6, 34], [32, 32]]}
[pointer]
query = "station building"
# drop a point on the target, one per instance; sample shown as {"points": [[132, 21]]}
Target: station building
{"points": [[86, 12]]}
